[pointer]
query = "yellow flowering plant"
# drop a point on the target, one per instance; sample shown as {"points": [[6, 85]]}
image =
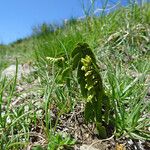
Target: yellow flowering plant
{"points": [[97, 107]]}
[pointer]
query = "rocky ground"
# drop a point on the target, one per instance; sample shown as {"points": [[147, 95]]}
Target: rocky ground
{"points": [[71, 123]]}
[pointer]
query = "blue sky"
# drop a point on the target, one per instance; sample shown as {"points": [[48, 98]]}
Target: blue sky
{"points": [[17, 17]]}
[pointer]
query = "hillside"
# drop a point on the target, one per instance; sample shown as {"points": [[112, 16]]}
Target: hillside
{"points": [[52, 105]]}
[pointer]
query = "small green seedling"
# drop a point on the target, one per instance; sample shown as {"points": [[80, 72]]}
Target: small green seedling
{"points": [[97, 106]]}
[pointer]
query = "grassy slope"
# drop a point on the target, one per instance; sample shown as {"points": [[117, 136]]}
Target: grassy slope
{"points": [[94, 31], [22, 51], [121, 43]]}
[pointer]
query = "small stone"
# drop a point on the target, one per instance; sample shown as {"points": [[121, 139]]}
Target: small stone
{"points": [[130, 142], [87, 147], [86, 135], [19, 89], [23, 70]]}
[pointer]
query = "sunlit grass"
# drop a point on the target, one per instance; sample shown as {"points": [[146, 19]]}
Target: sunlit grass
{"points": [[119, 40]]}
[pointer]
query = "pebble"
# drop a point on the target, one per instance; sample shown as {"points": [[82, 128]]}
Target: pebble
{"points": [[23, 70], [86, 147]]}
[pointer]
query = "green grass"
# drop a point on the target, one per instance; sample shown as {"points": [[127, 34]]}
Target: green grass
{"points": [[22, 50], [120, 42]]}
